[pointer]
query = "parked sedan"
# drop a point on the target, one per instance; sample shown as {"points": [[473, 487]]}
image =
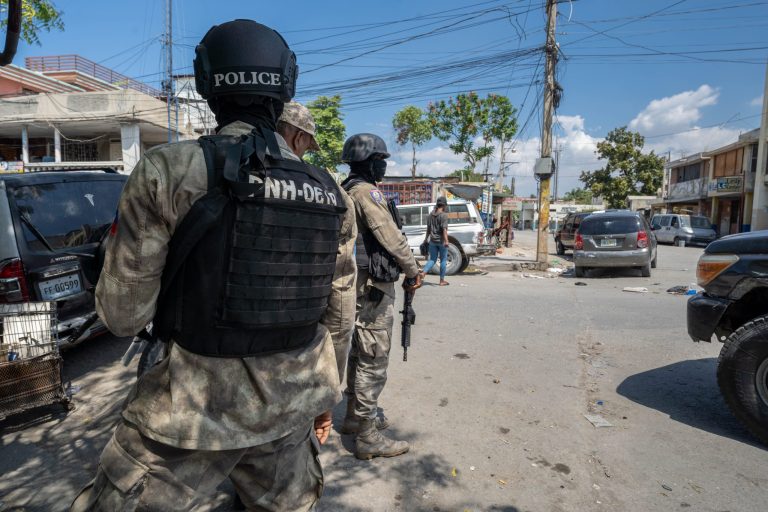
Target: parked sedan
{"points": [[614, 239]]}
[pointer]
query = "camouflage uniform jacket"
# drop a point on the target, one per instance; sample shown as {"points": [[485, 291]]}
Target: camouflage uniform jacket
{"points": [[373, 215], [192, 401]]}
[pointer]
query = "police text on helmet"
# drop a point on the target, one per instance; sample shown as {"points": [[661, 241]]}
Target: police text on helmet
{"points": [[247, 78]]}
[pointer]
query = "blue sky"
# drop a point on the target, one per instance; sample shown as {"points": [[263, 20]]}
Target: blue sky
{"points": [[687, 74]]}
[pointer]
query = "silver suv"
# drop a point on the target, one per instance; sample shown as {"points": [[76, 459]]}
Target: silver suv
{"points": [[614, 239], [465, 232]]}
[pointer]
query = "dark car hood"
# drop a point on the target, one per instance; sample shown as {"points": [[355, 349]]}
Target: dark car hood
{"points": [[743, 243]]}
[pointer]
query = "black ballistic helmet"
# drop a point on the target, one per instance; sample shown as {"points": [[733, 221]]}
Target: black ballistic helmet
{"points": [[362, 146], [245, 57]]}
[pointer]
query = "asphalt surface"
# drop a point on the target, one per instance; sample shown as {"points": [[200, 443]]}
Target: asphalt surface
{"points": [[500, 374]]}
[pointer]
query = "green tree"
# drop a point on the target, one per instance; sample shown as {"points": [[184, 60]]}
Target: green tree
{"points": [[460, 121], [330, 132], [36, 16], [579, 196], [466, 175], [627, 171], [501, 124], [411, 126]]}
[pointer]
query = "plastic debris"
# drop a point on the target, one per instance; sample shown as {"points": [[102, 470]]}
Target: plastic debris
{"points": [[471, 468], [580, 283], [503, 482], [635, 289], [600, 402], [555, 270], [668, 488], [453, 472], [496, 381], [678, 290], [532, 276], [598, 421]]}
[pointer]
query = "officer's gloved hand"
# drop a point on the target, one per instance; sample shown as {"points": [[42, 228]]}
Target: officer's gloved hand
{"points": [[411, 284]]}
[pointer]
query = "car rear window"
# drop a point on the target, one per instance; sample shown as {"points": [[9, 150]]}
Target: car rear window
{"points": [[68, 214], [600, 225]]}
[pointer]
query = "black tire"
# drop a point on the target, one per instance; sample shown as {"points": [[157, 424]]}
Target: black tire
{"points": [[655, 258], [742, 374], [645, 270], [152, 354], [464, 263], [578, 271], [454, 261], [560, 248]]}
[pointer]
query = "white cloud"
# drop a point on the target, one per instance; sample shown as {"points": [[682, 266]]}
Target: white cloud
{"points": [[757, 102], [674, 113]]}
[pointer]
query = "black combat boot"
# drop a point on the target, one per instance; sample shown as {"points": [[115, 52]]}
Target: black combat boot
{"points": [[370, 443], [351, 423]]}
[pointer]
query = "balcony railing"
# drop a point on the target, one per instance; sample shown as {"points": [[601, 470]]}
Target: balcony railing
{"points": [[88, 67]]}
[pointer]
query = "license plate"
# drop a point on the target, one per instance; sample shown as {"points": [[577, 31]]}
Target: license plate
{"points": [[608, 242], [58, 287]]}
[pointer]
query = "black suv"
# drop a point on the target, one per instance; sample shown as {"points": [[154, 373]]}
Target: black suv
{"points": [[734, 307], [565, 236], [51, 224]]}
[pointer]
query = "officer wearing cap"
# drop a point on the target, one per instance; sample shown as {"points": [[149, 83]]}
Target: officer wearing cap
{"points": [[382, 254], [234, 249], [297, 127]]}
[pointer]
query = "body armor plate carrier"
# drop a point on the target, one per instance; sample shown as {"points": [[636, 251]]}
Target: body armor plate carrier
{"points": [[251, 265]]}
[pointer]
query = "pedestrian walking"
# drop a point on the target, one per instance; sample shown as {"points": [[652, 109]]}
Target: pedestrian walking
{"points": [[382, 254], [437, 236], [235, 249]]}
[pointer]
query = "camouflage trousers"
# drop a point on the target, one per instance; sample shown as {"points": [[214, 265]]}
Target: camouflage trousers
{"points": [[136, 473], [371, 342]]}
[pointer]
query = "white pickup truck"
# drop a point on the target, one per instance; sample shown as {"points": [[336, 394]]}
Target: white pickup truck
{"points": [[465, 232]]}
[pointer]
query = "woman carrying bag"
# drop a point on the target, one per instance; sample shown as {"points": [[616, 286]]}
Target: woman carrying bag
{"points": [[437, 239]]}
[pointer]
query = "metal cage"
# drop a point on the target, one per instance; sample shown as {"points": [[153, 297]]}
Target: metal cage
{"points": [[30, 362]]}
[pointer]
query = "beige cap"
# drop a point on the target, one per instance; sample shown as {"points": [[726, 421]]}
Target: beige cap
{"points": [[298, 115]]}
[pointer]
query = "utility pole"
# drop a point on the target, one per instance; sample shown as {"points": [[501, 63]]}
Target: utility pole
{"points": [[168, 82], [557, 169], [760, 199], [546, 136]]}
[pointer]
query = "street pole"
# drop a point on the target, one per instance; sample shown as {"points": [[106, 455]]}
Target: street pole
{"points": [[168, 85], [546, 136], [760, 199]]}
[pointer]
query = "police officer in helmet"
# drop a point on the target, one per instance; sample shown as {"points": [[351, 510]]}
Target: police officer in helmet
{"points": [[382, 255], [234, 249]]}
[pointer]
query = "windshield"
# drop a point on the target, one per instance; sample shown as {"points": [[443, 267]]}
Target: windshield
{"points": [[695, 222], [599, 225], [68, 214]]}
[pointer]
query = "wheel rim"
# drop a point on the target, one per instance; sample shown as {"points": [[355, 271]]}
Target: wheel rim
{"points": [[761, 381]]}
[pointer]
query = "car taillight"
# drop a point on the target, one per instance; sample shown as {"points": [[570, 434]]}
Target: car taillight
{"points": [[579, 244], [642, 239], [712, 265], [13, 284]]}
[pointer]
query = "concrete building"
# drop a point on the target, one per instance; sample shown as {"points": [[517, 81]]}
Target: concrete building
{"points": [[718, 184], [66, 111]]}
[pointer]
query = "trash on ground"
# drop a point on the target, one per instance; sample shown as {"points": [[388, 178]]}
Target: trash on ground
{"points": [[503, 482], [598, 421], [496, 381], [580, 283], [555, 270], [533, 276], [678, 290], [635, 289], [666, 487], [472, 468], [600, 402], [453, 472]]}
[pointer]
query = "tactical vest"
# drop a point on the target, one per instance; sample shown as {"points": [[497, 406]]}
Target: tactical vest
{"points": [[370, 255], [250, 267]]}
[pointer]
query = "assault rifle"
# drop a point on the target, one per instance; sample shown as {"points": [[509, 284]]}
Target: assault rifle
{"points": [[409, 318]]}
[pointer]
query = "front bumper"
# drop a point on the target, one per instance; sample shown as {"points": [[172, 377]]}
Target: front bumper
{"points": [[697, 240], [704, 314], [633, 258]]}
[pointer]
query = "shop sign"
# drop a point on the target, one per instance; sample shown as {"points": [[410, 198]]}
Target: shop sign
{"points": [[726, 184]]}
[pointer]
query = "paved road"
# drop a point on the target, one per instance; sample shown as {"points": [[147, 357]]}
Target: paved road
{"points": [[493, 396]]}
